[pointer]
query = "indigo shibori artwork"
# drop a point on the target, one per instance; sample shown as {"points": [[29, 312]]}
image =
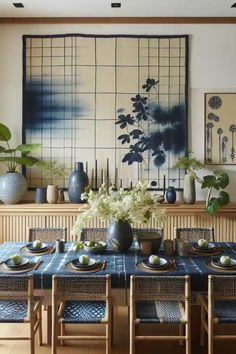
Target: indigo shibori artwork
{"points": [[117, 103]]}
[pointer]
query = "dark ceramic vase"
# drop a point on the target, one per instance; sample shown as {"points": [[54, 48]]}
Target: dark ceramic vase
{"points": [[78, 180], [120, 236], [171, 195]]}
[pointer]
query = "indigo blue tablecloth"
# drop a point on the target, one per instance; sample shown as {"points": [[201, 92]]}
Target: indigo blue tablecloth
{"points": [[120, 266]]}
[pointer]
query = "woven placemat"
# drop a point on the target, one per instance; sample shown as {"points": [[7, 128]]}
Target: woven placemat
{"points": [[27, 268], [218, 269], [215, 252], [49, 250], [169, 268], [98, 266]]}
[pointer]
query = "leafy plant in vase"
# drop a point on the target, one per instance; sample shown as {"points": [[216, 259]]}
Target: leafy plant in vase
{"points": [[13, 184], [218, 181], [190, 164]]}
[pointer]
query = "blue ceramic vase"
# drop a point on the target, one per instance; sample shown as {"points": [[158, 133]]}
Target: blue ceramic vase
{"points": [[171, 195], [78, 180], [120, 236]]}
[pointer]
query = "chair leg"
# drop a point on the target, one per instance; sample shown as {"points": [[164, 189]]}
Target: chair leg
{"points": [[49, 324], [187, 338], [210, 338], [203, 332], [62, 330], [132, 334], [108, 338], [40, 326], [32, 337], [181, 333], [54, 331]]}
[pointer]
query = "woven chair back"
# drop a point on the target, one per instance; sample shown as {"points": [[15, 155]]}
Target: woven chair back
{"points": [[47, 234]]}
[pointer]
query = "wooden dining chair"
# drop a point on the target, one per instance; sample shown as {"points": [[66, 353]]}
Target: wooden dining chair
{"points": [[218, 309], [81, 300], [158, 300], [19, 305], [93, 233], [192, 234], [46, 234]]}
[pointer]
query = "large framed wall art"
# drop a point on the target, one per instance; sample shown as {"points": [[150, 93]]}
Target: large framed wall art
{"points": [[220, 128], [117, 103]]}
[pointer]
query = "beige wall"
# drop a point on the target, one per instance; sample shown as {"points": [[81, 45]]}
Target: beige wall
{"points": [[212, 68]]}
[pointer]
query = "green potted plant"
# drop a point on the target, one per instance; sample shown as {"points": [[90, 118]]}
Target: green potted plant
{"points": [[218, 181], [190, 164], [13, 184]]}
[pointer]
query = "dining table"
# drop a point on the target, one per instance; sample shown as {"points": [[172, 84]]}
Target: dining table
{"points": [[119, 265]]}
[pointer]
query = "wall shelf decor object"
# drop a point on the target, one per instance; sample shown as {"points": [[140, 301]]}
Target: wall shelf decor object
{"points": [[220, 128], [74, 88]]}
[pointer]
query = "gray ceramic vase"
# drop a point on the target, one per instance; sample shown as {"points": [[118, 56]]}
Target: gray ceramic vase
{"points": [[189, 189], [13, 187]]}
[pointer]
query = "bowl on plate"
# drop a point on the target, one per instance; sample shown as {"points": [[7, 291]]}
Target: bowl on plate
{"points": [[149, 240], [95, 246]]}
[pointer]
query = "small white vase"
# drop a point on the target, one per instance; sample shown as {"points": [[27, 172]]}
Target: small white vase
{"points": [[52, 194], [189, 189]]}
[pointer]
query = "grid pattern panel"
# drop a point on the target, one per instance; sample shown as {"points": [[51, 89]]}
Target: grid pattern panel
{"points": [[75, 87]]}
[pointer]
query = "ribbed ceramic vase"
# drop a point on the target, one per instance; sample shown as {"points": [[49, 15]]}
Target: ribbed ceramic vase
{"points": [[52, 194], [13, 186], [189, 189], [78, 180], [120, 236]]}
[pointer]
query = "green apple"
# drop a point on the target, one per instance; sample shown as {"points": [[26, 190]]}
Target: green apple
{"points": [[90, 243], [84, 259], [16, 259], [37, 244], [153, 259], [202, 243], [78, 245], [226, 260]]}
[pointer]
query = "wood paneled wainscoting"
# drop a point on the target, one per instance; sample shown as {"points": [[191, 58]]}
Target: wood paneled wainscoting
{"points": [[16, 219]]}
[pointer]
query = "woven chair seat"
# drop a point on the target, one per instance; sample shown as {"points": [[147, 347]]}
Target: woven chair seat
{"points": [[84, 312], [225, 311], [14, 311], [159, 312]]}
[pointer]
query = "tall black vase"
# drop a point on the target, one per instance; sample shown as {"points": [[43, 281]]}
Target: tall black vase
{"points": [[78, 180], [120, 236]]}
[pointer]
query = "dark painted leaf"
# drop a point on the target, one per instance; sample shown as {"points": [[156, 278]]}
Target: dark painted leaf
{"points": [[125, 138], [160, 158], [149, 84], [136, 133], [132, 157]]}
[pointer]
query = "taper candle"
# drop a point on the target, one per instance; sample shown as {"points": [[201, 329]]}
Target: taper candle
{"points": [[164, 184], [96, 174]]}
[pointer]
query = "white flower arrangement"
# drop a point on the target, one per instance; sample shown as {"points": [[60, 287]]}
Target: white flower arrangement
{"points": [[137, 205]]}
